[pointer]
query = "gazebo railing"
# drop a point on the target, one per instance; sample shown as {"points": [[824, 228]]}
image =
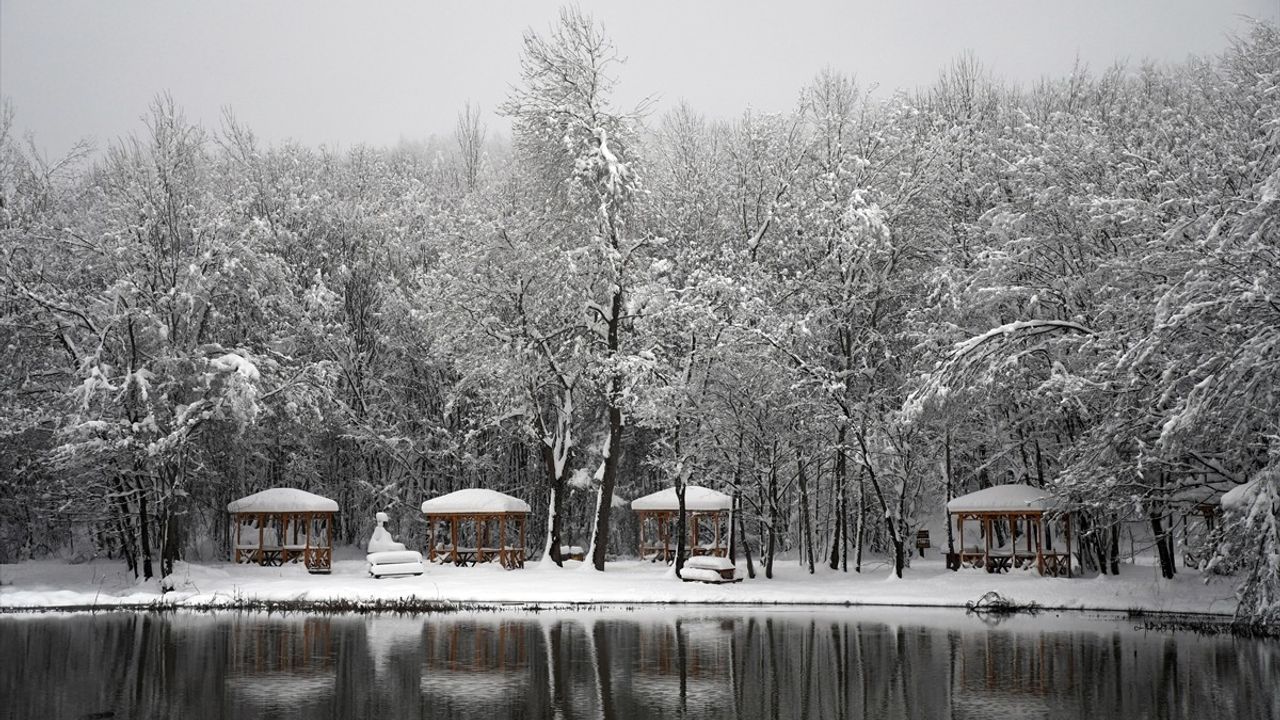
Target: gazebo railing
{"points": [[509, 551], [665, 544], [1046, 560], [270, 539]]}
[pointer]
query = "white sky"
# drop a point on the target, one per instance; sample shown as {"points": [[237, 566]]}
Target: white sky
{"points": [[343, 74]]}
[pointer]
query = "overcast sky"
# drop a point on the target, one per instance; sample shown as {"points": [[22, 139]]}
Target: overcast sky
{"points": [[343, 74]]}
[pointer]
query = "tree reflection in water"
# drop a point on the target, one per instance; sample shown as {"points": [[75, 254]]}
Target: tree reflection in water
{"points": [[745, 664]]}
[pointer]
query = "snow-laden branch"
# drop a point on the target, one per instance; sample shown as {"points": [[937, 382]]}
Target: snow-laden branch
{"points": [[1021, 329], [978, 349]]}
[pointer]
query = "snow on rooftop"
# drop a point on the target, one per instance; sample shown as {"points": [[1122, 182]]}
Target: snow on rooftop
{"points": [[282, 500], [474, 500], [1004, 498], [696, 498]]}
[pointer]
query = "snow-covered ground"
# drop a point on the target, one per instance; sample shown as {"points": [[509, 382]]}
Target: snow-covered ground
{"points": [[55, 584]]}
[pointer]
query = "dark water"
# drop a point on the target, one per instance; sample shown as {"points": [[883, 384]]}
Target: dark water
{"points": [[899, 663]]}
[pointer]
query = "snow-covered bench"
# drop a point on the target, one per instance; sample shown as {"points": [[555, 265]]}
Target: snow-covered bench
{"points": [[395, 562], [388, 557], [709, 569]]}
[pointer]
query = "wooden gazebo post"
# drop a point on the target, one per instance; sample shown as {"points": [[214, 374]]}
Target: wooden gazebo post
{"points": [[1040, 544], [503, 555], [431, 539], [986, 552], [453, 539], [663, 538], [1070, 562], [693, 534]]}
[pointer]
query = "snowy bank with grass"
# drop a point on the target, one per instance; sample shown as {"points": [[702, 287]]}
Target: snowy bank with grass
{"points": [[106, 584]]}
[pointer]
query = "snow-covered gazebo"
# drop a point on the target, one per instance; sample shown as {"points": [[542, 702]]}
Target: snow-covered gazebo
{"points": [[281, 525], [475, 519], [1015, 506], [705, 509]]}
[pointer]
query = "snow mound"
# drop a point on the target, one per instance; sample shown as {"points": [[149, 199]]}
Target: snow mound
{"points": [[1241, 497], [282, 500], [709, 562], [232, 362], [696, 498], [1005, 498], [474, 500], [701, 575]]}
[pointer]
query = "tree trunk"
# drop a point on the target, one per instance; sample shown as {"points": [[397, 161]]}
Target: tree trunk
{"points": [[746, 546], [681, 527], [128, 539], [613, 455], [894, 526], [773, 520], [837, 530], [861, 530], [170, 542], [145, 536], [951, 541], [733, 523], [1163, 545], [555, 505], [806, 519], [1097, 542], [1114, 549], [838, 539]]}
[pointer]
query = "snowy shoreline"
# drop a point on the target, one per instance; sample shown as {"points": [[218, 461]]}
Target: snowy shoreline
{"points": [[106, 585], [411, 606]]}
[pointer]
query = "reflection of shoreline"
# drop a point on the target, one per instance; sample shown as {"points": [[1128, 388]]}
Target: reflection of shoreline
{"points": [[469, 686], [262, 647], [1162, 620], [754, 665], [281, 662], [589, 665], [281, 689], [687, 652]]}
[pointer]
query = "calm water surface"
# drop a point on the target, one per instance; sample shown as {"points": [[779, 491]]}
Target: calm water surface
{"points": [[883, 663]]}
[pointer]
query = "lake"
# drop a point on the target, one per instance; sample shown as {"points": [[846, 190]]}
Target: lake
{"points": [[648, 663]]}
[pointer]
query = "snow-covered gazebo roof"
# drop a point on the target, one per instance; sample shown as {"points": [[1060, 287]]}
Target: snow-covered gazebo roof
{"points": [[696, 499], [282, 500], [1005, 499], [474, 501]]}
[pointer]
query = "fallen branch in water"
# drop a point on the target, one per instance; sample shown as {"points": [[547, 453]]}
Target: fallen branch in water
{"points": [[994, 603]]}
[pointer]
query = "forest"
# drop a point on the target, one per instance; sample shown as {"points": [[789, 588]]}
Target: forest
{"points": [[844, 315]]}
